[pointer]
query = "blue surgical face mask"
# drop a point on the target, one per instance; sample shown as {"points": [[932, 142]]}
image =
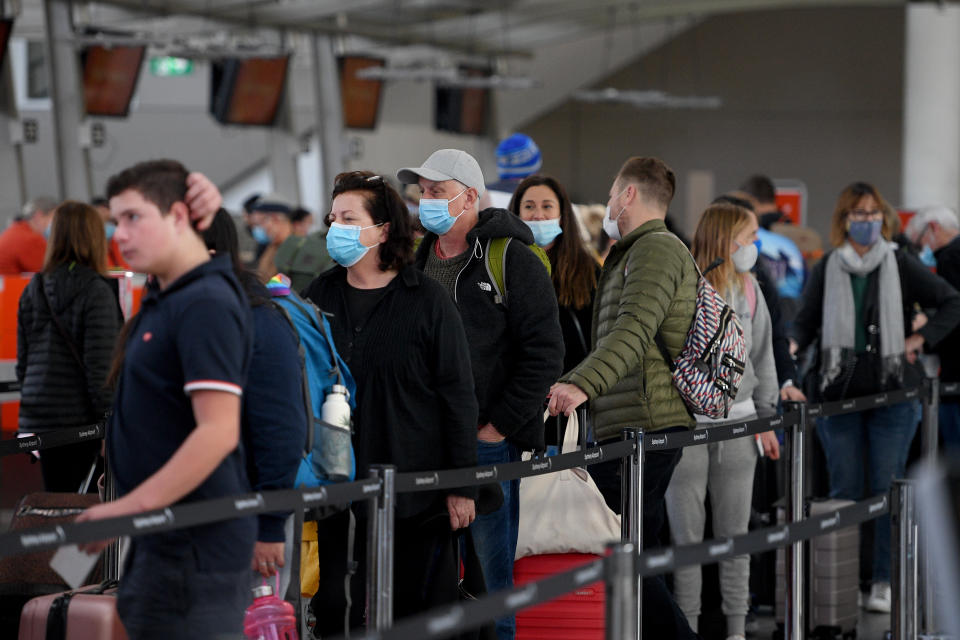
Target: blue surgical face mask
{"points": [[343, 243], [109, 228], [926, 256], [544, 231], [46, 231], [259, 235], [435, 214], [865, 232]]}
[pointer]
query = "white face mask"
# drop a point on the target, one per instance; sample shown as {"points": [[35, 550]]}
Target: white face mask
{"points": [[610, 223], [745, 257]]}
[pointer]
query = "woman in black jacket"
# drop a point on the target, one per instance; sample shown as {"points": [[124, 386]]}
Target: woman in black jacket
{"points": [[402, 337], [859, 303], [67, 322]]}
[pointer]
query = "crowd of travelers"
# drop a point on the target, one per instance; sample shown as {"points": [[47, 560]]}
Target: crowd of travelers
{"points": [[460, 325]]}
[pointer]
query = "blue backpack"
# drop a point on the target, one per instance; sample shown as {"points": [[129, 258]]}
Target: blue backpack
{"points": [[322, 369]]}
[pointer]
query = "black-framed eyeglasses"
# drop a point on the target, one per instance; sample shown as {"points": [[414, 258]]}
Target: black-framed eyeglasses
{"points": [[863, 214]]}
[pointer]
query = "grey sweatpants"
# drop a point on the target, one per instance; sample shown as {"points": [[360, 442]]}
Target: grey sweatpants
{"points": [[727, 468]]}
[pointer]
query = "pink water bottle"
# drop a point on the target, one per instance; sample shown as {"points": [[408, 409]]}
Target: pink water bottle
{"points": [[269, 617]]}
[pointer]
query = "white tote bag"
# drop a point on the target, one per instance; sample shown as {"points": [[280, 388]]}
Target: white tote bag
{"points": [[564, 511]]}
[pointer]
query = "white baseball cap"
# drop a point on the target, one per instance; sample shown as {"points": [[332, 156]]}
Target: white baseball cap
{"points": [[446, 164]]}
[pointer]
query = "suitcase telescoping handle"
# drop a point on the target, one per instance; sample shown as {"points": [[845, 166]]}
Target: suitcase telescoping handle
{"points": [[111, 555]]}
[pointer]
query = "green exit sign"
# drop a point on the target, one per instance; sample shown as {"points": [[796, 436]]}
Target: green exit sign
{"points": [[167, 66]]}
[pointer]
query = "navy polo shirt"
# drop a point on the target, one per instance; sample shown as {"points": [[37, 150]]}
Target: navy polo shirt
{"points": [[195, 334]]}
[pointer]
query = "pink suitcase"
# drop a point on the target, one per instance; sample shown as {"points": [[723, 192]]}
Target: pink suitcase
{"points": [[88, 613]]}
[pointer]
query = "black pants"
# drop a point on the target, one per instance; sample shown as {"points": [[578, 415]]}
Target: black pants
{"points": [[65, 468], [425, 569], [662, 617]]}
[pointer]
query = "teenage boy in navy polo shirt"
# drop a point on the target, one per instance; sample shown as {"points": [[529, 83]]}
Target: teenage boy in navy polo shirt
{"points": [[175, 428]]}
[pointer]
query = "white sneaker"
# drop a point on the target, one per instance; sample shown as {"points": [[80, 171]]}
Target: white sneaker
{"points": [[736, 637], [879, 600]]}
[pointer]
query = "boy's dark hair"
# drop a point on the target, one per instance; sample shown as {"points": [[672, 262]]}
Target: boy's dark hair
{"points": [[655, 180], [760, 187], [162, 182], [384, 205]]}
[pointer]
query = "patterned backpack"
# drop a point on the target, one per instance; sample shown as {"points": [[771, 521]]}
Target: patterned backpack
{"points": [[708, 371]]}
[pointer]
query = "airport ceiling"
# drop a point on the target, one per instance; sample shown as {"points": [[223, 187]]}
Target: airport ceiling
{"points": [[486, 28]]}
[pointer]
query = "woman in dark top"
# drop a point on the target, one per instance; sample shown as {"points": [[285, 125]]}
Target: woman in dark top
{"points": [[542, 203], [274, 417], [858, 303], [67, 322], [401, 336]]}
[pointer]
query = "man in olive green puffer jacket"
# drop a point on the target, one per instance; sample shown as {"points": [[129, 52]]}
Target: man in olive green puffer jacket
{"points": [[648, 284]]}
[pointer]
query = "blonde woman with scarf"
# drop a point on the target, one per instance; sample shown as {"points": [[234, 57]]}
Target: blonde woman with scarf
{"points": [[859, 303], [727, 234]]}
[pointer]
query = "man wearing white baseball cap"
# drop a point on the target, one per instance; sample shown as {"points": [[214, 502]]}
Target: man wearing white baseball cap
{"points": [[509, 310]]}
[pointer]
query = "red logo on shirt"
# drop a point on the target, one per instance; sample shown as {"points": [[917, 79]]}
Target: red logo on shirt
{"points": [[147, 336]]}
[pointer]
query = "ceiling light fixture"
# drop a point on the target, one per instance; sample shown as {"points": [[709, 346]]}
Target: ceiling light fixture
{"points": [[647, 99]]}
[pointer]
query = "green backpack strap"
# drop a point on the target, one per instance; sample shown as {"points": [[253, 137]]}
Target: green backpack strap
{"points": [[496, 258]]}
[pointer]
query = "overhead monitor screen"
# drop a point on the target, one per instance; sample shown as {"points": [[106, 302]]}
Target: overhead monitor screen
{"points": [[360, 96], [248, 91], [109, 79]]}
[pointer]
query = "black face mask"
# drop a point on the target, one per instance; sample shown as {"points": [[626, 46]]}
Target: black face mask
{"points": [[767, 220]]}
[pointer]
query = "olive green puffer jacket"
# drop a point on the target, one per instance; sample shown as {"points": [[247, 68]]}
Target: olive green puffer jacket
{"points": [[649, 281]]}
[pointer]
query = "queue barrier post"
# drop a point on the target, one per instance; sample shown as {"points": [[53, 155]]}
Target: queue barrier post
{"points": [[631, 513], [380, 523], [930, 426], [903, 610], [794, 626], [621, 587]]}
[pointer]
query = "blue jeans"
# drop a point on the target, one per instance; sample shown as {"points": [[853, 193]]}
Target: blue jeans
{"points": [[950, 426], [871, 445], [495, 534]]}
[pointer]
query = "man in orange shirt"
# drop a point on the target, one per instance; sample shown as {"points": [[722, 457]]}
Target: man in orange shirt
{"points": [[23, 245]]}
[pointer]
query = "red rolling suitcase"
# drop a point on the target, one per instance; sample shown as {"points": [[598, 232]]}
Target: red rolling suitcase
{"points": [[88, 613], [576, 616]]}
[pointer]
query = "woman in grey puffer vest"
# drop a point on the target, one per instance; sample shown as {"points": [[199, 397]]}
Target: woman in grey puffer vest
{"points": [[727, 232], [67, 322]]}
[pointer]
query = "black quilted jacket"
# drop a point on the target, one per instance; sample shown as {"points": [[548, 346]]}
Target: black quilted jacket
{"points": [[55, 390]]}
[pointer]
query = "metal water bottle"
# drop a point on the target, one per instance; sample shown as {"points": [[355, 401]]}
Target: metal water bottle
{"points": [[331, 440]]}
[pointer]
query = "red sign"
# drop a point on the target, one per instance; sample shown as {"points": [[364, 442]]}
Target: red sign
{"points": [[905, 217], [790, 202]]}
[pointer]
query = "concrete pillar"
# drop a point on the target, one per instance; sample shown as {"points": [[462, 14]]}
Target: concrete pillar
{"points": [[328, 110], [66, 93], [283, 147], [931, 112], [12, 178]]}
